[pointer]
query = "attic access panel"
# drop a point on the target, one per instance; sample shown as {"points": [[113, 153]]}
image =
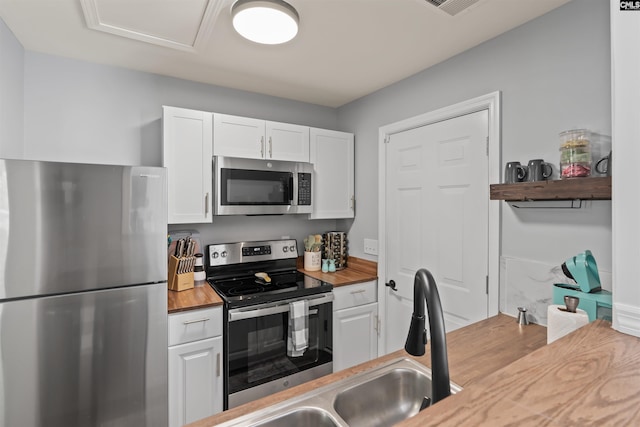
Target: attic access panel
{"points": [[174, 24], [452, 7]]}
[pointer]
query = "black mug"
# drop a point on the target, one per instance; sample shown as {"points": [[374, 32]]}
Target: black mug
{"points": [[604, 165], [514, 172], [538, 170]]}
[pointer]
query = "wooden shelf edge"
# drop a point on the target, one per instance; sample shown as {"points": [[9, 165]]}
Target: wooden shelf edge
{"points": [[593, 188]]}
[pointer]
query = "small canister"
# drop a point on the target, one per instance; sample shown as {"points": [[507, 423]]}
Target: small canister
{"points": [[575, 153], [199, 275]]}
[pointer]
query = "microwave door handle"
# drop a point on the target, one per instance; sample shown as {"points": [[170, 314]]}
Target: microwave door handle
{"points": [[291, 188]]}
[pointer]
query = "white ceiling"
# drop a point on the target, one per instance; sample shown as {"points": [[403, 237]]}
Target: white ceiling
{"points": [[345, 49]]}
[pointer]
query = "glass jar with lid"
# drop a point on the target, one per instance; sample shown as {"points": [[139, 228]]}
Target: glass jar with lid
{"points": [[575, 153]]}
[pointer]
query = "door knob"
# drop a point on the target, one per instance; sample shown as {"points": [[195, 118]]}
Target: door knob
{"points": [[392, 285]]}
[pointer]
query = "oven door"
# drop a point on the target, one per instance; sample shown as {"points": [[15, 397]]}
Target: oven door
{"points": [[257, 363]]}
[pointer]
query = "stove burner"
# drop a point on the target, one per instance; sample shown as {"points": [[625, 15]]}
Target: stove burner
{"points": [[245, 290]]}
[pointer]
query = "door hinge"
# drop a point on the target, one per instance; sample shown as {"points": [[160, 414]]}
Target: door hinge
{"points": [[487, 285], [387, 139]]}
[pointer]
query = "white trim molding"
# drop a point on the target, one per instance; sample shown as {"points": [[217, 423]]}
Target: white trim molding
{"points": [[489, 102], [627, 319]]}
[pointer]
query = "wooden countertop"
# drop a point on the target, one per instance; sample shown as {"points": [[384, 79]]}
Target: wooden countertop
{"points": [[589, 377], [200, 296], [475, 352], [358, 270]]}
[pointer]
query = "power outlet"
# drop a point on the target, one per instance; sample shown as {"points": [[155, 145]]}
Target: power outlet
{"points": [[371, 246]]}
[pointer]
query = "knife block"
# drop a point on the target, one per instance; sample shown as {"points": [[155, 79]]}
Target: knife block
{"points": [[179, 282]]}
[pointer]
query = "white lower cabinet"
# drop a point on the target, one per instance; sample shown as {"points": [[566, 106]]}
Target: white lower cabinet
{"points": [[195, 367], [355, 325]]}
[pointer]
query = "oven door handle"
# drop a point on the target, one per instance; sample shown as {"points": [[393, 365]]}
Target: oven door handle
{"points": [[280, 307]]}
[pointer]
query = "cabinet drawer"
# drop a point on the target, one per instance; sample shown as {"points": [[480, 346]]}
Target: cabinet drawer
{"points": [[354, 295], [195, 325]]}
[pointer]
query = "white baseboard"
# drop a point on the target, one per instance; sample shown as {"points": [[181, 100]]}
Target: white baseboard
{"points": [[626, 319]]}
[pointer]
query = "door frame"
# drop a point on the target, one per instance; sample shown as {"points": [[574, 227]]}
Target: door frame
{"points": [[490, 102]]}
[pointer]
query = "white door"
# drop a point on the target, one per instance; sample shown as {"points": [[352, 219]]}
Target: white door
{"points": [[437, 205]]}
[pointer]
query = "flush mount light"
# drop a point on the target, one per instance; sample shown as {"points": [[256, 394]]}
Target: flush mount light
{"points": [[265, 21]]}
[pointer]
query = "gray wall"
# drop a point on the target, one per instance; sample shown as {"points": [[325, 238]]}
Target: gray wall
{"points": [[11, 94], [554, 75], [76, 111]]}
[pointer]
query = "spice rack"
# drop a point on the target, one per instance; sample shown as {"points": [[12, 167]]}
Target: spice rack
{"points": [[593, 188]]}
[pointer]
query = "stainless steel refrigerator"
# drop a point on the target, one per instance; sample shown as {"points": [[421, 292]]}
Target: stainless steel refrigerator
{"points": [[83, 295]]}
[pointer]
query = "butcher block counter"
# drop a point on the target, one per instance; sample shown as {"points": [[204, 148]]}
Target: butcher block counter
{"points": [[201, 296], [358, 270], [511, 377], [475, 352]]}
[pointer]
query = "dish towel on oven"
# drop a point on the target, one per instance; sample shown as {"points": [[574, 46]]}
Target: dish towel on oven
{"points": [[297, 341]]}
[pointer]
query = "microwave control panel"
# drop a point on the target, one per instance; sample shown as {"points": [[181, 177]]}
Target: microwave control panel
{"points": [[304, 189]]}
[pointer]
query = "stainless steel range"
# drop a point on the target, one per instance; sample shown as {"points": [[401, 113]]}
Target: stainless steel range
{"points": [[258, 282]]}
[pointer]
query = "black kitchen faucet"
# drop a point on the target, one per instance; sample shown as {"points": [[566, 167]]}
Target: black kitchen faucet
{"points": [[424, 289]]}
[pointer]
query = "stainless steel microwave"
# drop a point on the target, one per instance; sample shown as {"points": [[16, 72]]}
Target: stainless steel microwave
{"points": [[261, 187]]}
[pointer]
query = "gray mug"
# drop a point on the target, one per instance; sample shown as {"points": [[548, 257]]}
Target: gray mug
{"points": [[514, 172], [538, 170]]}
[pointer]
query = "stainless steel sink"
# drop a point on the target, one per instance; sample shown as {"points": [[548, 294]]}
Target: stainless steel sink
{"points": [[382, 396], [385, 400], [300, 417]]}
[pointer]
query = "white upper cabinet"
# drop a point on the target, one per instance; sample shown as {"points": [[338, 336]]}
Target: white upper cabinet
{"points": [[331, 153], [249, 138], [187, 155], [287, 142]]}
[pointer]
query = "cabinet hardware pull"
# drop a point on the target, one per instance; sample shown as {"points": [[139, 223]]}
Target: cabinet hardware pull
{"points": [[188, 322], [353, 203], [217, 364], [206, 204], [360, 291], [262, 146], [270, 148]]}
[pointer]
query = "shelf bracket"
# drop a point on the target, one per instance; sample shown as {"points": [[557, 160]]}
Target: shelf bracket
{"points": [[547, 204]]}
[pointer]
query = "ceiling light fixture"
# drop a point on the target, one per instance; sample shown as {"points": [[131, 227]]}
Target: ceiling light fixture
{"points": [[265, 21]]}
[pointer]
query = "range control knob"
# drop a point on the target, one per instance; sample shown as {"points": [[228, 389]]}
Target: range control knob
{"points": [[215, 255], [223, 254], [285, 249], [292, 248]]}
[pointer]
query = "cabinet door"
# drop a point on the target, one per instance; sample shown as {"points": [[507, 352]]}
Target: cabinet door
{"points": [[355, 337], [236, 136], [287, 142], [187, 145], [195, 381], [333, 182]]}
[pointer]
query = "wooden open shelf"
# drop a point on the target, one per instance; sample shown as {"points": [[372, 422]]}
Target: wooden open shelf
{"points": [[593, 188]]}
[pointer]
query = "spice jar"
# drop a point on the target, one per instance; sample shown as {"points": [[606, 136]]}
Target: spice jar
{"points": [[575, 153]]}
